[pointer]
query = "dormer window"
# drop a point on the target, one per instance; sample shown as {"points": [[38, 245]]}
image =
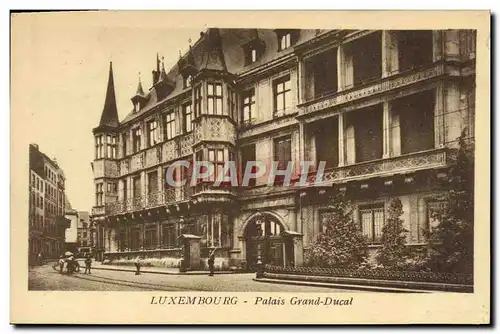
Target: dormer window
{"points": [[187, 79], [253, 50], [286, 38], [137, 106]]}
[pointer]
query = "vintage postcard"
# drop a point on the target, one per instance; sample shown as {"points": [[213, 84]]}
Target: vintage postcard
{"points": [[250, 167]]}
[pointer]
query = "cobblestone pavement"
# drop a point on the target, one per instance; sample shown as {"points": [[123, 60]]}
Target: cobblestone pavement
{"points": [[46, 278]]}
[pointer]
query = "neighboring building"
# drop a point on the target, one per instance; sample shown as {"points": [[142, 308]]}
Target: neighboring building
{"points": [[84, 232], [47, 223], [71, 235], [382, 108]]}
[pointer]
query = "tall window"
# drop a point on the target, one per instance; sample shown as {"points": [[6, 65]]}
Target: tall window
{"points": [[247, 155], [217, 158], [197, 101], [124, 144], [248, 103], [372, 221], [432, 208], [232, 103], [136, 134], [111, 187], [153, 133], [137, 187], [214, 97], [188, 117], [111, 147], [282, 155], [169, 236], [283, 151], [169, 125], [99, 194], [282, 95], [98, 148], [152, 182], [150, 241]]}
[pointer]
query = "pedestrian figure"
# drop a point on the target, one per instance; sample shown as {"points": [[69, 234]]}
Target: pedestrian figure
{"points": [[70, 265], [138, 266], [40, 258], [211, 262], [88, 263], [61, 264]]}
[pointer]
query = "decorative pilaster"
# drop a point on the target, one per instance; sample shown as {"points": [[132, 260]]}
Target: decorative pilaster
{"points": [[439, 126], [341, 140], [389, 53], [387, 135]]}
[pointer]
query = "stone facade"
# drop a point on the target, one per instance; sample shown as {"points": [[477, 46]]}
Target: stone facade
{"points": [[384, 109]]}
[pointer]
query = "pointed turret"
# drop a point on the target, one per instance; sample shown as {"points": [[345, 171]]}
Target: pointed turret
{"points": [[109, 116], [139, 99]]}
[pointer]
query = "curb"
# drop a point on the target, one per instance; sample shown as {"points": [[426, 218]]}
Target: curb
{"points": [[340, 286]]}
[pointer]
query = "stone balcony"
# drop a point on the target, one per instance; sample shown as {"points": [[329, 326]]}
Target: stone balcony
{"points": [[430, 159], [396, 81], [150, 201]]}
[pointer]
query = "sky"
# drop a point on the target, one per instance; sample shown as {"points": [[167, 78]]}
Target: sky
{"points": [[60, 71]]}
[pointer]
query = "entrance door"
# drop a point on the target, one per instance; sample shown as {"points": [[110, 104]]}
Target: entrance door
{"points": [[263, 238]]}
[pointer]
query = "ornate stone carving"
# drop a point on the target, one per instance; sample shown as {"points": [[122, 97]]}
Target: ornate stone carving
{"points": [[137, 162], [169, 151], [185, 144]]}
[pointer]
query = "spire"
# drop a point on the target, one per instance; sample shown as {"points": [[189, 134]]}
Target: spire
{"points": [[109, 116], [140, 91], [163, 74]]}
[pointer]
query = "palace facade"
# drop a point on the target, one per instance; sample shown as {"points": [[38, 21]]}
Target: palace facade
{"points": [[383, 109]]}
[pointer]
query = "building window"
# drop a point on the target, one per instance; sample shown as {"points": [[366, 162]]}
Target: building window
{"points": [[169, 236], [214, 96], [111, 187], [169, 121], [153, 182], [137, 187], [150, 241], [197, 101], [232, 103], [284, 40], [248, 103], [187, 79], [372, 222], [99, 150], [188, 117], [136, 137], [153, 133], [99, 192], [282, 95], [433, 210], [248, 154], [283, 151], [124, 144], [217, 158], [111, 146]]}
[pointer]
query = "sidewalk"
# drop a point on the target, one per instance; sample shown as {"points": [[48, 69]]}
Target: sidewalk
{"points": [[153, 270]]}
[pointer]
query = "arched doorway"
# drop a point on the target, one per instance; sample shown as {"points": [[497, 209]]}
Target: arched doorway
{"points": [[263, 236]]}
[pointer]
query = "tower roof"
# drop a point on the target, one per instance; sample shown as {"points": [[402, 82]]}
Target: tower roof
{"points": [[140, 91], [109, 116]]}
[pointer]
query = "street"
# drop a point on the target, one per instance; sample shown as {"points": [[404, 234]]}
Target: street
{"points": [[46, 278]]}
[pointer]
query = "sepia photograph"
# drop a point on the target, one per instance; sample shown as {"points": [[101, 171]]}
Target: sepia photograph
{"points": [[323, 163]]}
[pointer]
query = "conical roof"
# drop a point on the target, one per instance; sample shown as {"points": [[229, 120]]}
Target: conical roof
{"points": [[109, 116]]}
